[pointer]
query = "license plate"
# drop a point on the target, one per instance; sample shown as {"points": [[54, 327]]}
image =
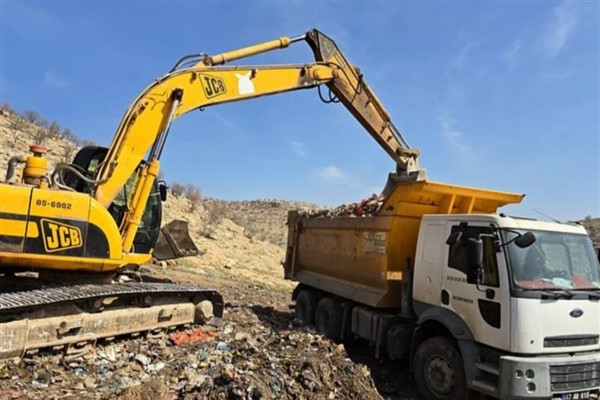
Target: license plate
{"points": [[586, 395]]}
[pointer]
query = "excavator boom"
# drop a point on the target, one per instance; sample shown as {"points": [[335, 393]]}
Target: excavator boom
{"points": [[352, 90], [97, 219], [208, 82]]}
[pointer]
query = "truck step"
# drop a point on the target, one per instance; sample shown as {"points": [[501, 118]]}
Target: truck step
{"points": [[487, 367], [484, 387]]}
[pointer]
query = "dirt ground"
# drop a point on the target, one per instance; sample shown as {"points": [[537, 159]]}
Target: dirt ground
{"points": [[255, 351]]}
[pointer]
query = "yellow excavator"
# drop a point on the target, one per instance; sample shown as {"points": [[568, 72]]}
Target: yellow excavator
{"points": [[68, 237]]}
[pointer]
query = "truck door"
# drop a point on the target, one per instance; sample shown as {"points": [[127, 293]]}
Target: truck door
{"points": [[484, 307]]}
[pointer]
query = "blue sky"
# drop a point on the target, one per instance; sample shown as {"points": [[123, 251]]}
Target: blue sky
{"points": [[503, 95]]}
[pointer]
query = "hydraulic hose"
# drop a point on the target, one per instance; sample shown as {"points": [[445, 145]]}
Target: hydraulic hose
{"points": [[12, 165], [57, 178]]}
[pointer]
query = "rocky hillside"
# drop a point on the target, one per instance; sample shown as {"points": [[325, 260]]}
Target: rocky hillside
{"points": [[592, 225], [244, 240], [262, 219], [255, 220], [18, 133], [228, 250]]}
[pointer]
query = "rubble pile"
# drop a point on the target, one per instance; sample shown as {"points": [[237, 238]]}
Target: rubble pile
{"points": [[254, 352], [366, 208]]}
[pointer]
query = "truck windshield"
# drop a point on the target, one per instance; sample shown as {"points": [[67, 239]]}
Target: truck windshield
{"points": [[556, 260]]}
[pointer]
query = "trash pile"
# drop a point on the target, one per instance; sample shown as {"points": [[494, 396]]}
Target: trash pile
{"points": [[254, 352], [366, 208]]}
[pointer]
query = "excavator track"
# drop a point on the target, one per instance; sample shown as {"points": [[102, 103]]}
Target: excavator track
{"points": [[74, 317]]}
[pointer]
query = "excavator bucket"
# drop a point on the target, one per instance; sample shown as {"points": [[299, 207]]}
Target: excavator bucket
{"points": [[174, 241]]}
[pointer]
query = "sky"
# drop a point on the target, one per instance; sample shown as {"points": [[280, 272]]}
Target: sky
{"points": [[503, 95]]}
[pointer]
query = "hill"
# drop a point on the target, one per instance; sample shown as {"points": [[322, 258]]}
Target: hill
{"points": [[592, 225], [238, 240], [263, 219]]}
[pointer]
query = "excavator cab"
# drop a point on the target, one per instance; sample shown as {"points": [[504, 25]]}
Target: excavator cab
{"points": [[173, 241]]}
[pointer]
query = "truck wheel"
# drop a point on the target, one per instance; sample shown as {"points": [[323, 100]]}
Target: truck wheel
{"points": [[439, 371], [328, 318], [306, 304]]}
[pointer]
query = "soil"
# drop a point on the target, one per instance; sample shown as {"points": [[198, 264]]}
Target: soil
{"points": [[256, 351]]}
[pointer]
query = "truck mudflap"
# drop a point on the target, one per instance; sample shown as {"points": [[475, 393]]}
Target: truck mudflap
{"points": [[75, 317], [567, 377], [174, 241]]}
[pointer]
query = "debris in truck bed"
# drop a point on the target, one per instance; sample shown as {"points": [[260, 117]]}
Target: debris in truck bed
{"points": [[368, 207]]}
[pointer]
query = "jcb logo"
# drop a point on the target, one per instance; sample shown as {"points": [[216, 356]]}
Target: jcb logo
{"points": [[58, 236], [212, 85]]}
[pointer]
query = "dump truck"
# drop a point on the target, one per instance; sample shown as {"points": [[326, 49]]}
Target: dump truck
{"points": [[479, 302]]}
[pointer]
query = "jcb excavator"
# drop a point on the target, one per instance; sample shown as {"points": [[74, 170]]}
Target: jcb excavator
{"points": [[82, 227]]}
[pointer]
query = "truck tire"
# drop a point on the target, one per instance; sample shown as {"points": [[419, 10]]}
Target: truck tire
{"points": [[328, 318], [439, 370], [306, 305]]}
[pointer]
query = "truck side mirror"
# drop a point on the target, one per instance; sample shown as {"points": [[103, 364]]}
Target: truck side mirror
{"points": [[474, 260], [162, 190], [525, 240]]}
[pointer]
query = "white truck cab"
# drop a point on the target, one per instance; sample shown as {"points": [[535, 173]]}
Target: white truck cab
{"points": [[521, 297]]}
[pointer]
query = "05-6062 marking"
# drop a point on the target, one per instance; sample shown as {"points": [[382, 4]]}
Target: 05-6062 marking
{"points": [[63, 205]]}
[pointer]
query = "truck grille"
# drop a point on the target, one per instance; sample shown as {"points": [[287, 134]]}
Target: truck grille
{"points": [[573, 340], [574, 377]]}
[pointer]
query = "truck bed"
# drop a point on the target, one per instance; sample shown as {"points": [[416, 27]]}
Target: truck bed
{"points": [[366, 259]]}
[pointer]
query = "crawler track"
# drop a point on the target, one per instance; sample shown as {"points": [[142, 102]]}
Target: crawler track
{"points": [[75, 316]]}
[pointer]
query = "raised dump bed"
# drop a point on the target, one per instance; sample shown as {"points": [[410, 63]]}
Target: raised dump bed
{"points": [[364, 259]]}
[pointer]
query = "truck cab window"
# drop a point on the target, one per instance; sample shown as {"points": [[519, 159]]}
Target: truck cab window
{"points": [[457, 257], [555, 260]]}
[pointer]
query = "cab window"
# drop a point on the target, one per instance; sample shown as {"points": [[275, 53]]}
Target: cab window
{"points": [[457, 257]]}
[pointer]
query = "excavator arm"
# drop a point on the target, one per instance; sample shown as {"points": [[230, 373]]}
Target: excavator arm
{"points": [[143, 130], [351, 89], [79, 244]]}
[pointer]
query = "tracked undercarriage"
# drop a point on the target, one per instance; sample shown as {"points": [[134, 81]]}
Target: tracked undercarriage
{"points": [[36, 314]]}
